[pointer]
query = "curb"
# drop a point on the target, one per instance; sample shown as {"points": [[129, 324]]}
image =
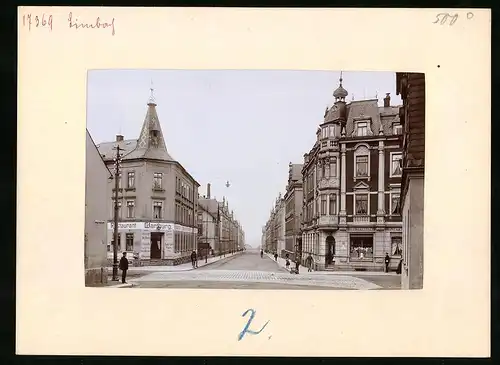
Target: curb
{"points": [[210, 263]]}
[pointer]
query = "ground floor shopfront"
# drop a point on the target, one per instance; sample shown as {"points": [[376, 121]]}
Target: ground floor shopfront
{"points": [[355, 248], [162, 243]]}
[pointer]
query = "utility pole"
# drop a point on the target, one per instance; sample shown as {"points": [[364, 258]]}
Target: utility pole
{"points": [[115, 216]]}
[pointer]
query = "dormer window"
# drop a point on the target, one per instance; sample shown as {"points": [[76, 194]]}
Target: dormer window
{"points": [[397, 128], [361, 129]]}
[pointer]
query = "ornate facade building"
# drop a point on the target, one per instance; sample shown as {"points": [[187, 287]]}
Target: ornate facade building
{"points": [[293, 209], [157, 198], [411, 87], [351, 185]]}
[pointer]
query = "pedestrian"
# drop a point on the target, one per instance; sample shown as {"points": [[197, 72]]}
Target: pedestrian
{"points": [[297, 265], [309, 263], [287, 263], [193, 259], [261, 254], [276, 256], [400, 266], [124, 267], [387, 260]]}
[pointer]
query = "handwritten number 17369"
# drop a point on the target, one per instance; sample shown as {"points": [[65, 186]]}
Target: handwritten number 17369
{"points": [[44, 21]]}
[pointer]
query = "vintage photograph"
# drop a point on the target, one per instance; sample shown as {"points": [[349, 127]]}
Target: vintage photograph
{"points": [[254, 179]]}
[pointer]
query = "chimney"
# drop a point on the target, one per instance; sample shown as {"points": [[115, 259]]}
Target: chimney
{"points": [[208, 191], [387, 100], [119, 138]]}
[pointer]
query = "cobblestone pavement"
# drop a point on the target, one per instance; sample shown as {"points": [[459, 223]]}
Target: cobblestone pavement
{"points": [[230, 285], [264, 277], [247, 261]]}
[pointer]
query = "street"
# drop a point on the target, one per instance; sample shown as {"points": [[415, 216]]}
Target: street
{"points": [[248, 270]]}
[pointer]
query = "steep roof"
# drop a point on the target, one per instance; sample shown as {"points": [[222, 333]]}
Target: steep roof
{"points": [[150, 144], [369, 109]]}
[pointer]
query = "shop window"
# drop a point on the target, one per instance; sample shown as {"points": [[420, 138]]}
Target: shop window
{"points": [[396, 246], [129, 241], [361, 248]]}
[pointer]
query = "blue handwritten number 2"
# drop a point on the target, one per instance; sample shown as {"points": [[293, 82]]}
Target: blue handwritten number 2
{"points": [[246, 330]]}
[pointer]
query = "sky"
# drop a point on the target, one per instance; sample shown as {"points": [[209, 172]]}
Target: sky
{"points": [[241, 126]]}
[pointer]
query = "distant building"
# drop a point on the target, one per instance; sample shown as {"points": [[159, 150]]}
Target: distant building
{"points": [[96, 214], [411, 87], [157, 198], [279, 226], [208, 225], [351, 182], [293, 209]]}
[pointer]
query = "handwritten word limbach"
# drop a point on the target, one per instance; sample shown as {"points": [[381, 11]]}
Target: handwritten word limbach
{"points": [[97, 24], [43, 21]]}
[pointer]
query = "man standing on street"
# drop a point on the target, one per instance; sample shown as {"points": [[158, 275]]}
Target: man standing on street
{"points": [[193, 259], [309, 263], [387, 260], [275, 256], [124, 267]]}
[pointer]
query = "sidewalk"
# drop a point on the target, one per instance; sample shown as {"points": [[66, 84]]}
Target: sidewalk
{"points": [[302, 269], [183, 267]]}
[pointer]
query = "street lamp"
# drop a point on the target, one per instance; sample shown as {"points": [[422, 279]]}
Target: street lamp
{"points": [[117, 161]]}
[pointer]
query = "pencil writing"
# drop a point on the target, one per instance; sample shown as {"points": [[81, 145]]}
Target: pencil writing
{"points": [[450, 19], [97, 24], [43, 21], [246, 328]]}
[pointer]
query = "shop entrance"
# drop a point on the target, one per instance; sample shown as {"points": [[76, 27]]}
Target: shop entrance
{"points": [[156, 244]]}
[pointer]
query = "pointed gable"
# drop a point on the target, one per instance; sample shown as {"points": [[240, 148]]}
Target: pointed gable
{"points": [[151, 143], [361, 186]]}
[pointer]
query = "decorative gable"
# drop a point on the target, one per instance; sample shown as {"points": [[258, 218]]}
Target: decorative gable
{"points": [[361, 186]]}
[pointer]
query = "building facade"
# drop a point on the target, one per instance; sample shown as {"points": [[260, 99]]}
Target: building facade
{"points": [[293, 209], [218, 230], [411, 87], [279, 226], [157, 198], [351, 186], [96, 214]]}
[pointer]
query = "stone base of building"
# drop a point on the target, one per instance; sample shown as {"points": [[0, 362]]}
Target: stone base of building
{"points": [[157, 262], [96, 276], [363, 266]]}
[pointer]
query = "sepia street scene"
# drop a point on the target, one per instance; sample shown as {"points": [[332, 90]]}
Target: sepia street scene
{"points": [[289, 180]]}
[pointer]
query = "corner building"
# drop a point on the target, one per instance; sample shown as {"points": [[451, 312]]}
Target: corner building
{"points": [[352, 185], [157, 198]]}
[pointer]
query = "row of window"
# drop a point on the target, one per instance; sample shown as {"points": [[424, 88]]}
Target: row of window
{"points": [[328, 170], [360, 248], [183, 214], [157, 180], [183, 189], [130, 212], [362, 129], [184, 242], [129, 243], [361, 205]]}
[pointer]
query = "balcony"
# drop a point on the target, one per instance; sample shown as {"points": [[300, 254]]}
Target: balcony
{"points": [[328, 220], [361, 219]]}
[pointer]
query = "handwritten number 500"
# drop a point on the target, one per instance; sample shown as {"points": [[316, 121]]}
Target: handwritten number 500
{"points": [[442, 18]]}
